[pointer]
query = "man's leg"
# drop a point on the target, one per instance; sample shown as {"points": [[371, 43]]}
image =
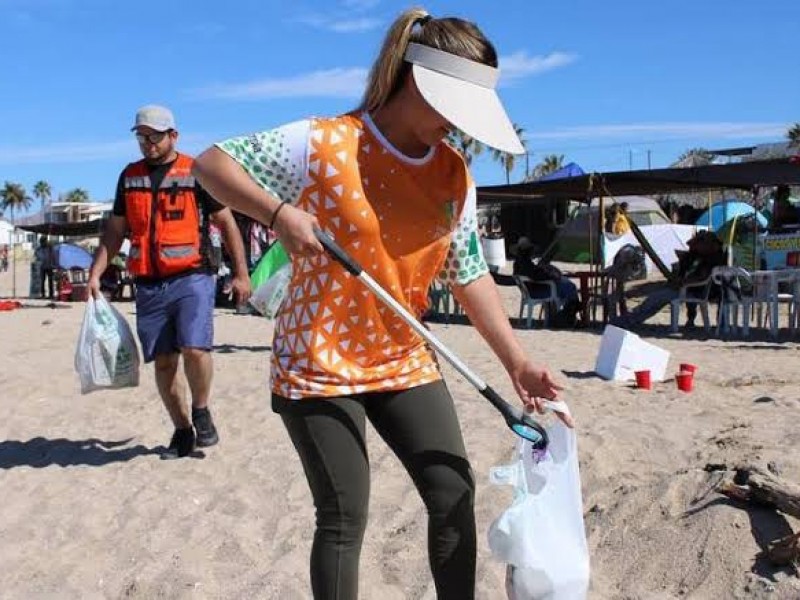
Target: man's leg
{"points": [[171, 389], [652, 304], [172, 392], [199, 369], [691, 308], [691, 313], [157, 337], [192, 304]]}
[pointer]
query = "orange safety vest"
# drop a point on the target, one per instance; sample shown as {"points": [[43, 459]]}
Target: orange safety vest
{"points": [[166, 226]]}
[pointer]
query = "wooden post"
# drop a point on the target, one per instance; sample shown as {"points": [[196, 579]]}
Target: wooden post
{"points": [[601, 229], [756, 261]]}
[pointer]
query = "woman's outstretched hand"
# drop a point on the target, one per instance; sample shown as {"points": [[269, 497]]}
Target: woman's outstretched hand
{"points": [[535, 384]]}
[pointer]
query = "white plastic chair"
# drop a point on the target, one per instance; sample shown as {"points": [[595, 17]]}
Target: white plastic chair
{"points": [[735, 291], [767, 294], [685, 298], [548, 301]]}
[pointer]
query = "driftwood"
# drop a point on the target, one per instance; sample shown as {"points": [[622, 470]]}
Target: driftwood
{"points": [[758, 487]]}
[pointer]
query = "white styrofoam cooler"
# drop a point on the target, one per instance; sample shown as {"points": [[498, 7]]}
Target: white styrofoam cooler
{"points": [[622, 353], [494, 251]]}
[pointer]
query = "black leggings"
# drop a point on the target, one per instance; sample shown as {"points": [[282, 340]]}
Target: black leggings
{"points": [[421, 428]]}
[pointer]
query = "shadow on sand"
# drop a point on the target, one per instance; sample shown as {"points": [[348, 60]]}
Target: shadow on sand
{"points": [[230, 348], [758, 339], [581, 375], [766, 524], [41, 452]]}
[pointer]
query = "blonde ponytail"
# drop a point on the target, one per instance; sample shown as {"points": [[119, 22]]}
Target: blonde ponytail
{"points": [[385, 76], [451, 34]]}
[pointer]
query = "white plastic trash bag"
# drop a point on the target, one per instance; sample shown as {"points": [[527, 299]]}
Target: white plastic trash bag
{"points": [[270, 280], [107, 355], [269, 296], [541, 535]]}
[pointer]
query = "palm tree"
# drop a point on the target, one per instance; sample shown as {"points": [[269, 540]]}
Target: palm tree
{"points": [[42, 191], [14, 197], [549, 164], [793, 135], [506, 159], [77, 195], [694, 157], [466, 145]]}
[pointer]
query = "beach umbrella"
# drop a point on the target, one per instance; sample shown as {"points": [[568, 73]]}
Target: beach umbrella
{"points": [[71, 256]]}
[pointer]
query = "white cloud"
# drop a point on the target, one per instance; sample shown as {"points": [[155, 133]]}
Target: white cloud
{"points": [[360, 4], [349, 82], [122, 150], [341, 25], [330, 83], [711, 130], [354, 25], [519, 65], [59, 153]]}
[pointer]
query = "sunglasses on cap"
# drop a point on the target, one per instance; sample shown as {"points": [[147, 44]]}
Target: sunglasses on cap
{"points": [[152, 138]]}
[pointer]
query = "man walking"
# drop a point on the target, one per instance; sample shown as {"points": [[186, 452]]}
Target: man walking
{"points": [[167, 215]]}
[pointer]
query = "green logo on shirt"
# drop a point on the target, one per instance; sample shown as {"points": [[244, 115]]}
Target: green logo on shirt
{"points": [[473, 244]]}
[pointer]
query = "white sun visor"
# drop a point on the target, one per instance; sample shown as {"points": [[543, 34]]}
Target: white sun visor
{"points": [[462, 91]]}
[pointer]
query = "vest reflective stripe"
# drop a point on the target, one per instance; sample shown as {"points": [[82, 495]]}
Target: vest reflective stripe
{"points": [[137, 182], [178, 251], [183, 182]]}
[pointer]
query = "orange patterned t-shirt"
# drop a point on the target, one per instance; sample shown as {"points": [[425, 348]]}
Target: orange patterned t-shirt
{"points": [[405, 220]]}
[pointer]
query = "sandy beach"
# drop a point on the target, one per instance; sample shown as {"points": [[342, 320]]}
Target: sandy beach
{"points": [[90, 510]]}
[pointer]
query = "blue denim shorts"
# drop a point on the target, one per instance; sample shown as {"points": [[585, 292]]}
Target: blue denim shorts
{"points": [[176, 313]]}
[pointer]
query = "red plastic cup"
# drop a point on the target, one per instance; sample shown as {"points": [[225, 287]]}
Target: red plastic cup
{"points": [[685, 381], [688, 368], [643, 380]]}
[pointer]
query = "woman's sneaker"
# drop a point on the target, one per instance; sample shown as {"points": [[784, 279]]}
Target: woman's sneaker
{"points": [[204, 425], [182, 443]]}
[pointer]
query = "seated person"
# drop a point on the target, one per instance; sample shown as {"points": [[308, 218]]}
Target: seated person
{"points": [[784, 213], [566, 290], [695, 265]]}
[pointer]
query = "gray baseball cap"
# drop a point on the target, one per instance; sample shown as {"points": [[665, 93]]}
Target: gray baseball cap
{"points": [[154, 117]]}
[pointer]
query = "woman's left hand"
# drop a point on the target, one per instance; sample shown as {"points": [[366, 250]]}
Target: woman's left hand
{"points": [[534, 385]]}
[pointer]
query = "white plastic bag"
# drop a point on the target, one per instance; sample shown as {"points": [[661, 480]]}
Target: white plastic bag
{"points": [[107, 355], [541, 535], [268, 297]]}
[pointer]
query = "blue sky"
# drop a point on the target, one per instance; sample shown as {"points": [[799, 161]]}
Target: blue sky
{"points": [[604, 83]]}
